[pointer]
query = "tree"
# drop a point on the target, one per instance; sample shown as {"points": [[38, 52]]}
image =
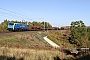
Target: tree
{"points": [[3, 26], [47, 25], [78, 33]]}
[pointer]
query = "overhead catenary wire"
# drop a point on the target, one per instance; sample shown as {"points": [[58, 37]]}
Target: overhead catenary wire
{"points": [[7, 15], [16, 14], [10, 14], [10, 17]]}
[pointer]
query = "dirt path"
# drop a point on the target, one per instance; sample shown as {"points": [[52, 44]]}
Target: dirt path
{"points": [[51, 42]]}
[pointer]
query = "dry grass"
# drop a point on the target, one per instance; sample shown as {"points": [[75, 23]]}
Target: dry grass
{"points": [[32, 54], [58, 37]]}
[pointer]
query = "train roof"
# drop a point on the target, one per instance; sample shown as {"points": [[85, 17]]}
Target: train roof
{"points": [[18, 23]]}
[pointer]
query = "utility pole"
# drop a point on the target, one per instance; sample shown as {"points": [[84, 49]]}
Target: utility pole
{"points": [[43, 23], [44, 26], [57, 26], [22, 21], [47, 26]]}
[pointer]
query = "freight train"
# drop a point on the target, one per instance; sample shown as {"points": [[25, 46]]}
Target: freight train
{"points": [[24, 27]]}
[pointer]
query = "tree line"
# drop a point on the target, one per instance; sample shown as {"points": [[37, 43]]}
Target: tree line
{"points": [[4, 24]]}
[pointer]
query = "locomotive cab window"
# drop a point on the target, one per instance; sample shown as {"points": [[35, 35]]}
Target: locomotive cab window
{"points": [[11, 23]]}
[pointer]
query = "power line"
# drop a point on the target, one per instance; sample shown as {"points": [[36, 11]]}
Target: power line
{"points": [[16, 15], [25, 17], [10, 17]]}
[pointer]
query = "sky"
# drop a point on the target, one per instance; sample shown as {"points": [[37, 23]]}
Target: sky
{"points": [[56, 12]]}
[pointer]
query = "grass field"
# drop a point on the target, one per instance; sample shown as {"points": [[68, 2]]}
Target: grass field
{"points": [[21, 41], [32, 46]]}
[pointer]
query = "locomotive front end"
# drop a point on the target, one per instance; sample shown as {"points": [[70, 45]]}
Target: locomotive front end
{"points": [[10, 26]]}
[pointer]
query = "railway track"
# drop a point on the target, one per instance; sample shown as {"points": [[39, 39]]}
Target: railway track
{"points": [[2, 34]]}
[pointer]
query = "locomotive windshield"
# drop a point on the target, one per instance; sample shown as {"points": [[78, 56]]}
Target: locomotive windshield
{"points": [[11, 23]]}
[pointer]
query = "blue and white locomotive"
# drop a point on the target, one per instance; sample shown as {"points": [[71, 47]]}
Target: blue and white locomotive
{"points": [[17, 26]]}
